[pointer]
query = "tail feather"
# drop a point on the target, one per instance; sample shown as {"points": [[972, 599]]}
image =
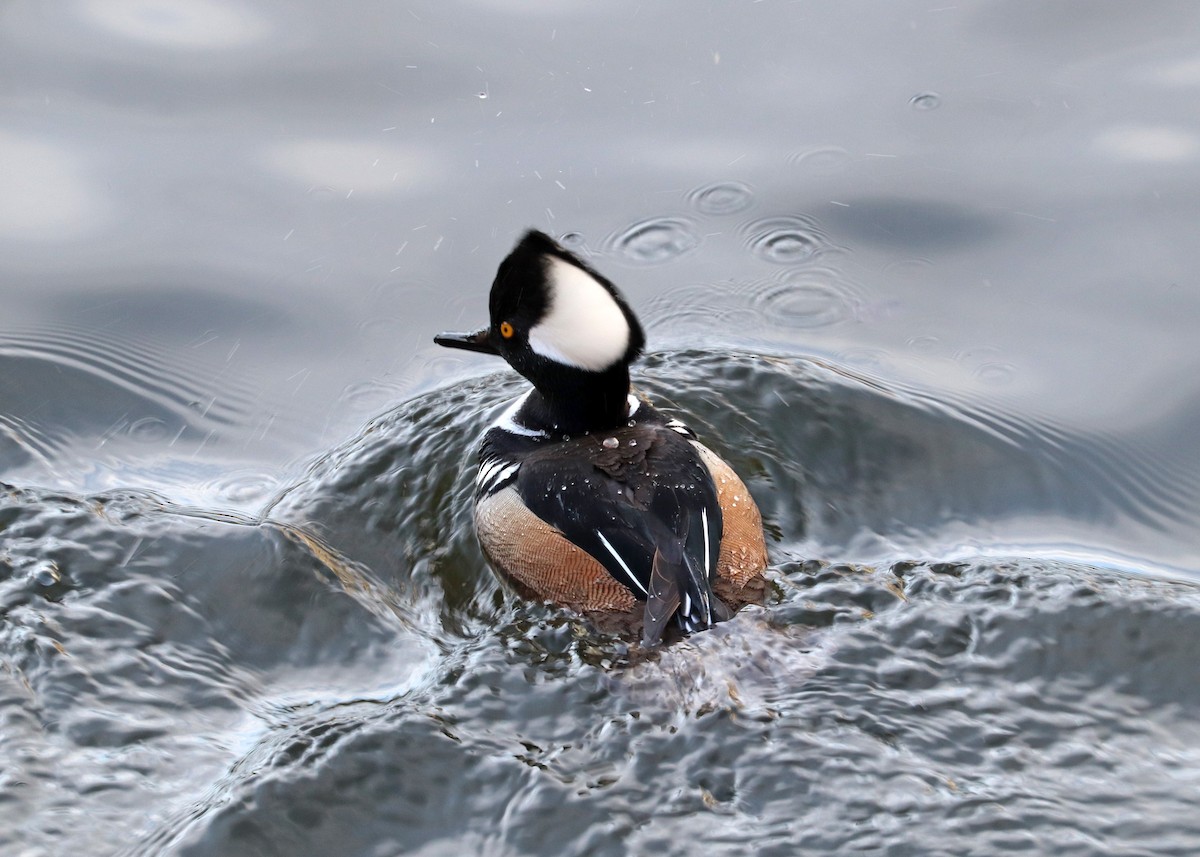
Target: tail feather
{"points": [[663, 597], [678, 589]]}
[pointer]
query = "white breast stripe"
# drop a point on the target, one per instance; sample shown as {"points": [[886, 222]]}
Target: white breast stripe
{"points": [[507, 421], [681, 428], [486, 470], [506, 474], [620, 562], [634, 403], [493, 473], [707, 542]]}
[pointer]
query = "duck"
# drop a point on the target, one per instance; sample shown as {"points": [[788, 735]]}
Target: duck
{"points": [[586, 495]]}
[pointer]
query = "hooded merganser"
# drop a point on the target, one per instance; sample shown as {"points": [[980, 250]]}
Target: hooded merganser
{"points": [[586, 495]]}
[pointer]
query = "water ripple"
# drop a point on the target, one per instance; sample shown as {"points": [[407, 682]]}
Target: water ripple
{"points": [[787, 240], [823, 161], [31, 440], [996, 374], [573, 241], [146, 370], [243, 489], [925, 101], [199, 682], [860, 464], [655, 241], [118, 398], [795, 299], [699, 309], [721, 198], [807, 299]]}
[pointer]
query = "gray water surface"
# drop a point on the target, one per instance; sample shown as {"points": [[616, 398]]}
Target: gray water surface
{"points": [[924, 274]]}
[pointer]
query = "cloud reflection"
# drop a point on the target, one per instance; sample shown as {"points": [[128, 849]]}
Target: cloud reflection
{"points": [[353, 166], [1148, 144], [1185, 72], [180, 24], [46, 195]]}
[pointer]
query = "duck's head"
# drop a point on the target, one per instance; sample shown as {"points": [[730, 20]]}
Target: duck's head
{"points": [[565, 328]]}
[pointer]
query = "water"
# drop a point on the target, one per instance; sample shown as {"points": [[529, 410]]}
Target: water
{"points": [[924, 275]]}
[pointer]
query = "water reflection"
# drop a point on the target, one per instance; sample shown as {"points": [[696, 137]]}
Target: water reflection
{"points": [[47, 191], [1181, 72], [199, 25], [915, 225], [351, 167], [1148, 144]]}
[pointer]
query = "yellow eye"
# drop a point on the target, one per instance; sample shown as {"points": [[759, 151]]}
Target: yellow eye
{"points": [[506, 330]]}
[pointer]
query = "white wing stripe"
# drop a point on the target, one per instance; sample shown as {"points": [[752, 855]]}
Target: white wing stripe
{"points": [[708, 569], [621, 562]]}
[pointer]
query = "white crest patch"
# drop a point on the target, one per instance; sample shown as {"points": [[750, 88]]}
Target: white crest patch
{"points": [[583, 326]]}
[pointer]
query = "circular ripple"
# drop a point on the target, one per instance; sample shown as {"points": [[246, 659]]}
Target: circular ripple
{"points": [[908, 267], [786, 240], [826, 161], [573, 240], [148, 430], [925, 101], [370, 394], [243, 488], [655, 241], [814, 300], [864, 358], [996, 374], [692, 312], [925, 344], [721, 198]]}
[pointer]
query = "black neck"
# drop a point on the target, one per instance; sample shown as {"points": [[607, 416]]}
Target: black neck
{"points": [[576, 402]]}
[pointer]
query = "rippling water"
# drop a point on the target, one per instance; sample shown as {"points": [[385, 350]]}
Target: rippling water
{"points": [[926, 278]]}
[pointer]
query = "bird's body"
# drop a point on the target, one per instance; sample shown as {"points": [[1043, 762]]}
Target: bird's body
{"points": [[586, 495]]}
